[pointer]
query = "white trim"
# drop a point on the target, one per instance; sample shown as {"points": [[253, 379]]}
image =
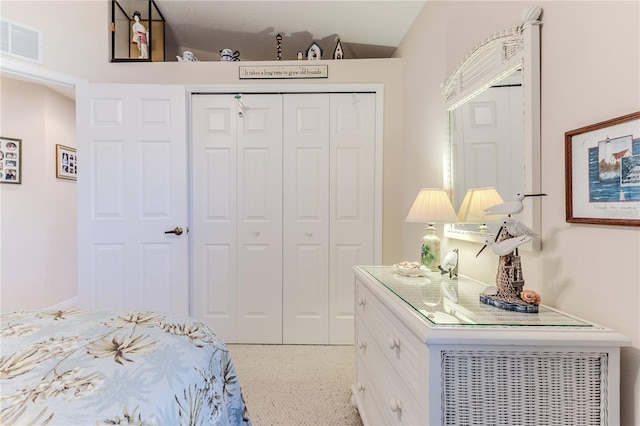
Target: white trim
{"points": [[34, 73]]}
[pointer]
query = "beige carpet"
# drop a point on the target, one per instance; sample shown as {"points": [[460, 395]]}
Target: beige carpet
{"points": [[296, 384]]}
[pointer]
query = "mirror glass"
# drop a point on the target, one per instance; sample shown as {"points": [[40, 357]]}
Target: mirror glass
{"points": [[486, 136]]}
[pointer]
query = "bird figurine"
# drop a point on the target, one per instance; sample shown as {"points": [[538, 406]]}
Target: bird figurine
{"points": [[505, 247], [450, 264], [514, 206], [515, 228]]}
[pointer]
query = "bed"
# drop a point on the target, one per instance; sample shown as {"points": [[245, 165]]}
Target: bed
{"points": [[86, 367]]}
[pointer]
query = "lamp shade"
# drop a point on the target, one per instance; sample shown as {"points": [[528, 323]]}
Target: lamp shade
{"points": [[474, 203], [432, 205]]}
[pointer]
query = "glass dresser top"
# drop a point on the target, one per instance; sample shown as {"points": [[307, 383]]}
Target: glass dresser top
{"points": [[445, 301]]}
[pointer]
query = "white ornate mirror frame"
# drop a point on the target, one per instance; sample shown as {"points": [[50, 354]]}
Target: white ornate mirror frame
{"points": [[489, 62]]}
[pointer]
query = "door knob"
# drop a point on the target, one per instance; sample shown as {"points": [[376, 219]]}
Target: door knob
{"points": [[177, 230]]}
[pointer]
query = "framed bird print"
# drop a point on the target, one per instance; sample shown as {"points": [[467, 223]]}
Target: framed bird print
{"points": [[602, 172]]}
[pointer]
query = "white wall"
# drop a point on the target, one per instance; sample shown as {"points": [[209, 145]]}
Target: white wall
{"points": [[38, 227], [590, 73]]}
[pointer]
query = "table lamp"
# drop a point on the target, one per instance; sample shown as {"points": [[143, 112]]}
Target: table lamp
{"points": [[474, 203], [431, 206]]}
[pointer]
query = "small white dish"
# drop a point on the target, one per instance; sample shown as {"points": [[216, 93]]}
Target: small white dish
{"points": [[419, 271]]}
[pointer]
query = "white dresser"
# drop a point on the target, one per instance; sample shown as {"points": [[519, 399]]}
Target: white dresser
{"points": [[429, 353]]}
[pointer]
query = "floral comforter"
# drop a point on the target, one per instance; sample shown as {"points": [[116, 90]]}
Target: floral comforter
{"points": [[85, 367]]}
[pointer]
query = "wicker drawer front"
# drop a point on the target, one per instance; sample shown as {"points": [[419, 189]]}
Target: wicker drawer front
{"points": [[524, 388], [398, 405], [399, 345]]}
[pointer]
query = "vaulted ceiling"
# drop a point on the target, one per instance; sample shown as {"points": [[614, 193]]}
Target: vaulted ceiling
{"points": [[367, 29]]}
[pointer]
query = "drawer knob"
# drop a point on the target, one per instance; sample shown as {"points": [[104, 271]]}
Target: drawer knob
{"points": [[362, 344], [362, 302], [360, 387], [395, 405], [394, 343]]}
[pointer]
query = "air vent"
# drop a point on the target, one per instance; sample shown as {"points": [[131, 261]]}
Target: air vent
{"points": [[20, 41]]}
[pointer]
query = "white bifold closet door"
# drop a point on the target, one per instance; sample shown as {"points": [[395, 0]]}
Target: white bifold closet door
{"points": [[237, 216], [306, 201], [328, 212], [283, 208], [352, 198]]}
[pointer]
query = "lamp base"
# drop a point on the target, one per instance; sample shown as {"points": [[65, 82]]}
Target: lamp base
{"points": [[430, 250]]}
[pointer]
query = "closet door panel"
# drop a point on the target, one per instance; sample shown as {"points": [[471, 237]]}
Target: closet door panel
{"points": [[259, 212], [353, 200], [306, 219], [213, 225]]}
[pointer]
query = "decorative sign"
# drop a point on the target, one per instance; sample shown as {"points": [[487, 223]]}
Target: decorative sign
{"points": [[283, 71]]}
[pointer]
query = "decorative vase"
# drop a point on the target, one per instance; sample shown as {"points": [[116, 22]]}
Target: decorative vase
{"points": [[430, 249]]}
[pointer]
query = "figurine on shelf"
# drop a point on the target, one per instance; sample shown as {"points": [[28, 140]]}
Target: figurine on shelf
{"points": [[229, 55], [279, 47], [187, 56], [314, 52], [338, 53], [140, 36]]}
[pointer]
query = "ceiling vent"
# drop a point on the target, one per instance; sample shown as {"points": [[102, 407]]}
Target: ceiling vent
{"points": [[20, 41]]}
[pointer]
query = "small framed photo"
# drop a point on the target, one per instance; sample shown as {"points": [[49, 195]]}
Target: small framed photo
{"points": [[602, 172], [10, 160], [66, 162]]}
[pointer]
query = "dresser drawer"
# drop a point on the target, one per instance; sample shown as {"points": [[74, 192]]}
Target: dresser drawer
{"points": [[399, 345], [364, 391], [397, 404]]}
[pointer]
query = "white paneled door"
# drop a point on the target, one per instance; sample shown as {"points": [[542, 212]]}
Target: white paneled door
{"points": [[132, 197], [237, 215], [352, 189], [306, 219]]}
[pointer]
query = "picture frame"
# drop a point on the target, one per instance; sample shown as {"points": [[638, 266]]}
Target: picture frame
{"points": [[10, 160], [602, 172], [66, 162]]}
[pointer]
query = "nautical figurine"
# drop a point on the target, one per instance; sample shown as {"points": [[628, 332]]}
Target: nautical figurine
{"points": [[517, 229], [514, 206], [505, 247], [450, 264]]}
